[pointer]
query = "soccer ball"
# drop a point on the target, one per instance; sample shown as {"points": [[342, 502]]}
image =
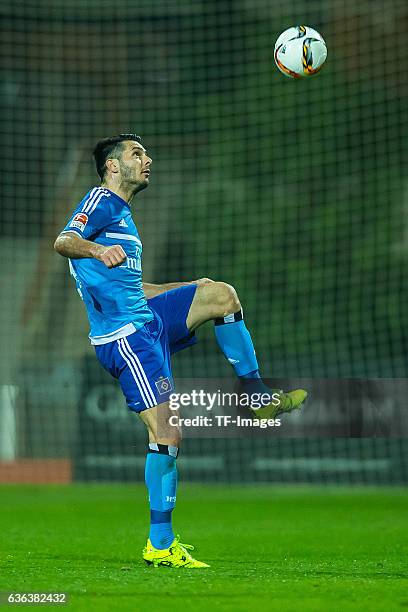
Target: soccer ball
{"points": [[300, 52]]}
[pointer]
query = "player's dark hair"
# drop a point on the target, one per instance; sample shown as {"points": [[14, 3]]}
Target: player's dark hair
{"points": [[110, 147]]}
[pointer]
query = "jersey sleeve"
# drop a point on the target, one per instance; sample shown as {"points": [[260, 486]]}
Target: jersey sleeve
{"points": [[91, 216]]}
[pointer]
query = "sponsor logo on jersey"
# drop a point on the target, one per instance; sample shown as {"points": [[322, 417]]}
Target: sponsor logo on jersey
{"points": [[79, 221], [122, 223], [133, 263], [163, 385]]}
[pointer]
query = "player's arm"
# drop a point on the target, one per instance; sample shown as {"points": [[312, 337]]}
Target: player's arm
{"points": [[73, 246], [151, 290]]}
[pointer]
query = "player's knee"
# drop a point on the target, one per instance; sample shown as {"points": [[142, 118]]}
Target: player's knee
{"points": [[176, 437], [168, 436], [226, 299], [163, 425]]}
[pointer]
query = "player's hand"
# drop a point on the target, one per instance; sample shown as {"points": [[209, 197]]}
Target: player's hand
{"points": [[112, 256]]}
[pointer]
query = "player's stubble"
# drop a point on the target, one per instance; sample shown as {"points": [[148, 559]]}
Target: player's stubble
{"points": [[128, 177]]}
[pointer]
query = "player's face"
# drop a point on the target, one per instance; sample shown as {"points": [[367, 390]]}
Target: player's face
{"points": [[135, 165]]}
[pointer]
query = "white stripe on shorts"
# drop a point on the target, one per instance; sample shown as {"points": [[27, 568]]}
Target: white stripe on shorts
{"points": [[135, 373], [140, 369]]}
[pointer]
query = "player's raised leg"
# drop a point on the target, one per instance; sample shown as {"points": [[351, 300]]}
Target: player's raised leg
{"points": [[163, 548], [219, 301]]}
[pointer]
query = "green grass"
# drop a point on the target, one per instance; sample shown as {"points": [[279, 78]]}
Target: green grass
{"points": [[269, 548]]}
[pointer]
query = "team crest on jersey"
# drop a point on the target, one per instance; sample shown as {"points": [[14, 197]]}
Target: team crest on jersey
{"points": [[79, 221], [163, 385]]}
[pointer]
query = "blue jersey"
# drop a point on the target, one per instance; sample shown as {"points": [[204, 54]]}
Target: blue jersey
{"points": [[113, 297]]}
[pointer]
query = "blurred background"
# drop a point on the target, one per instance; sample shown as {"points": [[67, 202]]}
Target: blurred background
{"points": [[292, 191]]}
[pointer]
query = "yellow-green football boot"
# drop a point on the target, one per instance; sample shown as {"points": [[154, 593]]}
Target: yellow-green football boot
{"points": [[283, 403], [176, 555]]}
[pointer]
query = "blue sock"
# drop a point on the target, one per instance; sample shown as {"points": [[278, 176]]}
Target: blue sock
{"points": [[253, 383], [161, 482], [236, 343]]}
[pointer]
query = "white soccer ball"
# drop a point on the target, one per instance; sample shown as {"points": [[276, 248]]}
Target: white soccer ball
{"points": [[300, 52]]}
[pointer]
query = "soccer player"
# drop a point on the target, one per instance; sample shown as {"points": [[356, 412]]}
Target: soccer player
{"points": [[136, 326]]}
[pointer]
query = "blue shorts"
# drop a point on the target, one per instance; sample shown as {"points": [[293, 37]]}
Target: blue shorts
{"points": [[141, 361]]}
